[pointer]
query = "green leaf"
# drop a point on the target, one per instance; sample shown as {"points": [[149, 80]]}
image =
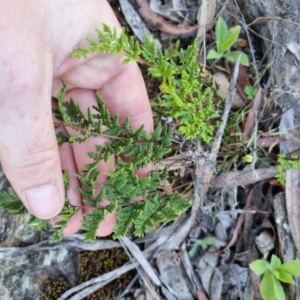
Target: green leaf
{"points": [[66, 179], [244, 60], [227, 44], [267, 289], [38, 224], [206, 241], [292, 267], [11, 202], [250, 92], [285, 277], [275, 262], [157, 132], [213, 54], [221, 33], [209, 241], [275, 273], [150, 49], [248, 158], [232, 56], [234, 32], [259, 266], [279, 292]]}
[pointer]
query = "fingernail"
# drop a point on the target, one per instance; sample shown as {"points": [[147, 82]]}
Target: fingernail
{"points": [[44, 201]]}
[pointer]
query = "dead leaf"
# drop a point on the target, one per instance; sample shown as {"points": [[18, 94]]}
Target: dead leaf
{"points": [[201, 295], [173, 276], [262, 20], [205, 19], [216, 285], [159, 22], [243, 43], [294, 48], [223, 83], [135, 22], [250, 122], [243, 78], [269, 141], [265, 241]]}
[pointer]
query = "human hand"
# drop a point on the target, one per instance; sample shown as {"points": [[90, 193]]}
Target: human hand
{"points": [[37, 40]]}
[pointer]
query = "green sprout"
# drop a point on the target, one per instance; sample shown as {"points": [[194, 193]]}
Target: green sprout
{"points": [[204, 243], [225, 39], [274, 273]]}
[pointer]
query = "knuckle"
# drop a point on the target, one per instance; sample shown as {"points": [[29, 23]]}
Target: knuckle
{"points": [[35, 165]]}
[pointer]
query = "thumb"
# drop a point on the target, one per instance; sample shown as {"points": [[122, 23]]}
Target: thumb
{"points": [[28, 147]]}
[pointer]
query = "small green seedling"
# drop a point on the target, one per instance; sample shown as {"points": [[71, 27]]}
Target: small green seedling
{"points": [[204, 243], [225, 39], [274, 273], [248, 158], [250, 92]]}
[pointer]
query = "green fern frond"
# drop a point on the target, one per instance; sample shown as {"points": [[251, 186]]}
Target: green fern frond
{"points": [[187, 96], [125, 219], [158, 209], [285, 163], [184, 91], [11, 202], [37, 223], [92, 220], [64, 218]]}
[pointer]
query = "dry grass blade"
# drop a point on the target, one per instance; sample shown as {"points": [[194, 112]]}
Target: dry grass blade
{"points": [[137, 25], [205, 20], [138, 255], [159, 22], [189, 269], [250, 122]]}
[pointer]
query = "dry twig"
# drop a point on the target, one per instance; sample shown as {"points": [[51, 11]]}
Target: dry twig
{"points": [[159, 22]]}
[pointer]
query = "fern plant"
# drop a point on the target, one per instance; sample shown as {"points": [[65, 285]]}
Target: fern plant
{"points": [[188, 95], [122, 185], [285, 163]]}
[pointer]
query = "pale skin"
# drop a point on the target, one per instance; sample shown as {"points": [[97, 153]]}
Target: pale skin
{"points": [[37, 39]]}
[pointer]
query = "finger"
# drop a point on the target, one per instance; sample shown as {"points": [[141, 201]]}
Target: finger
{"points": [[86, 99], [68, 165], [125, 94], [28, 148]]}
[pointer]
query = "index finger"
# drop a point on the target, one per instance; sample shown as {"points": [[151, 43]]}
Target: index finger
{"points": [[125, 94]]}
